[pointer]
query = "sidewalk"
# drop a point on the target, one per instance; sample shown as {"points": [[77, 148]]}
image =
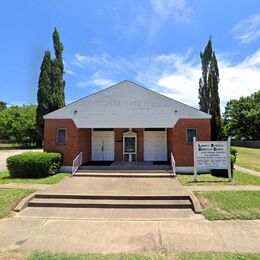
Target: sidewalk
{"points": [[25, 186], [223, 187], [74, 235], [244, 170]]}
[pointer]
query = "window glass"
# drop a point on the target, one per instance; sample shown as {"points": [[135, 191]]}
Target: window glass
{"points": [[61, 136], [191, 132]]}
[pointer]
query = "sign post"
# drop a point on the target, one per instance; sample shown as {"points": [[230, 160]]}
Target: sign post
{"points": [[211, 155]]}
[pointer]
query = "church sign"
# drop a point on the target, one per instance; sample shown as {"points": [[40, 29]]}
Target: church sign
{"points": [[211, 155]]}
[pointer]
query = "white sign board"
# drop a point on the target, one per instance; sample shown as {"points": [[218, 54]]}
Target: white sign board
{"points": [[211, 155]]}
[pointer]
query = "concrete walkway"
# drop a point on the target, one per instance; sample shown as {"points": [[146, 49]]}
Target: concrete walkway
{"points": [[25, 186], [70, 235], [223, 187], [249, 171]]}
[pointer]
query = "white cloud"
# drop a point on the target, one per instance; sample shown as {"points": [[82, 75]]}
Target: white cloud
{"points": [[175, 75], [96, 81], [176, 9], [248, 30]]}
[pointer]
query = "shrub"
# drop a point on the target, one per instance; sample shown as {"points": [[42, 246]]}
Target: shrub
{"points": [[233, 151], [224, 173], [33, 164]]}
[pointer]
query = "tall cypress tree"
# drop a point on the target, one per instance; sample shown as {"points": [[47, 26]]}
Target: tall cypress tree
{"points": [[209, 101], [214, 99], [204, 92], [44, 94], [51, 84], [58, 97]]}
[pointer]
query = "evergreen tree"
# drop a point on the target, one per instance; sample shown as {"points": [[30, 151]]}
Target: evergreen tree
{"points": [[51, 85], [214, 109], [204, 92], [209, 101], [44, 94], [58, 84]]}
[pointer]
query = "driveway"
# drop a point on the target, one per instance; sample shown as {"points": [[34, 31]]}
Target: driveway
{"points": [[4, 154]]}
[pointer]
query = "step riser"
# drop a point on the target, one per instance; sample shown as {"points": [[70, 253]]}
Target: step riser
{"points": [[80, 170], [116, 206], [121, 176], [108, 197]]}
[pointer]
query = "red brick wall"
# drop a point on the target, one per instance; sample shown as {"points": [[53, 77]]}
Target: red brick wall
{"points": [[77, 140], [176, 139], [84, 143]]}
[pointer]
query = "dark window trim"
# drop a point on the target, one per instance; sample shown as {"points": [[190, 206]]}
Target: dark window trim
{"points": [[187, 141], [57, 133]]}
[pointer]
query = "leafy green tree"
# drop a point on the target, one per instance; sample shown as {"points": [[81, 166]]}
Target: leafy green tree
{"points": [[242, 117], [44, 94], [18, 124], [51, 85], [214, 108], [2, 105], [204, 89]]}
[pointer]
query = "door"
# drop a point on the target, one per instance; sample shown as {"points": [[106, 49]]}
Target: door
{"points": [[103, 148], [155, 146]]}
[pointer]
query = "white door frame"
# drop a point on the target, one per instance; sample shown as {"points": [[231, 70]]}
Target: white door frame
{"points": [[92, 138]]}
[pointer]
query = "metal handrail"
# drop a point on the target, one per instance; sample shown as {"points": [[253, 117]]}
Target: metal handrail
{"points": [[77, 162], [173, 164]]}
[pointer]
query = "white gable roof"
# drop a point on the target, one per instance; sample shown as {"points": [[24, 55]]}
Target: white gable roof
{"points": [[126, 105]]}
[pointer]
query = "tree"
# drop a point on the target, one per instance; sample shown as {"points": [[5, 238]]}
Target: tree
{"points": [[209, 101], [58, 97], [2, 105], [44, 94], [18, 124], [204, 92], [214, 107], [51, 85], [242, 117]]}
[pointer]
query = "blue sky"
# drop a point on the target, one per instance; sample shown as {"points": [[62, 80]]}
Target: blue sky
{"points": [[155, 43]]}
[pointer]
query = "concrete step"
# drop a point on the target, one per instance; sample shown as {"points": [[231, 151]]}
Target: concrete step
{"points": [[109, 197], [103, 169], [127, 174], [109, 203]]}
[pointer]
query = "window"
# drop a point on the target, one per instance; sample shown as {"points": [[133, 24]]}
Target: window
{"points": [[61, 136], [191, 132]]}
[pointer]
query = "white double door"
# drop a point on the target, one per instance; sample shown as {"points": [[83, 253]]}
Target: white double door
{"points": [[155, 146], [103, 146]]}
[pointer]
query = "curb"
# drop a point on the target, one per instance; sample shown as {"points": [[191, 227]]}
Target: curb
{"points": [[24, 202]]}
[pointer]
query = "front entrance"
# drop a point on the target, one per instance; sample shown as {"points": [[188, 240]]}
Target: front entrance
{"points": [[155, 145], [103, 145]]}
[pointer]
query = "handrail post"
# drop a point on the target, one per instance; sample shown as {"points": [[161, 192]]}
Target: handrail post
{"points": [[77, 162]]}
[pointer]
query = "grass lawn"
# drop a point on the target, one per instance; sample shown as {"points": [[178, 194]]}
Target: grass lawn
{"points": [[217, 256], [9, 198], [207, 179], [6, 178], [225, 205], [248, 158], [130, 256]]}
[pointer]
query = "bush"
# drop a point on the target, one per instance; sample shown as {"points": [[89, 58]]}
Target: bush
{"points": [[233, 151], [224, 173], [34, 164]]}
